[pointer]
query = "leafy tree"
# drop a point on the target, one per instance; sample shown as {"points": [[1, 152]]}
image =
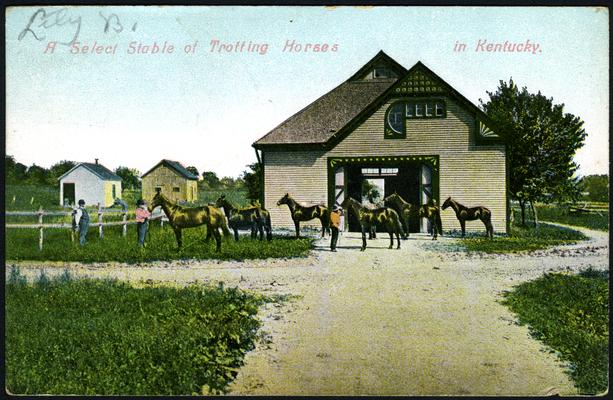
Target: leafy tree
{"points": [[15, 172], [59, 169], [597, 187], [129, 177], [227, 182], [37, 175], [541, 141], [253, 181], [193, 170], [210, 179]]}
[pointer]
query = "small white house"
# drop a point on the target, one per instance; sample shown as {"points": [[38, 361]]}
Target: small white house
{"points": [[93, 183]]}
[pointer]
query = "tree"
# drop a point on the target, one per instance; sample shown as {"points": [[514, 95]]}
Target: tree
{"points": [[37, 175], [15, 172], [193, 170], [210, 179], [253, 182], [59, 169], [597, 187], [541, 141], [129, 177]]}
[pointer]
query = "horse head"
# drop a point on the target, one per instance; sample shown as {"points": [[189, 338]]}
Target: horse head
{"points": [[447, 203], [347, 202], [157, 200], [221, 201], [284, 200]]}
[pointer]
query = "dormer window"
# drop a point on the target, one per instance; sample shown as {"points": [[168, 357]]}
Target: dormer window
{"points": [[382, 72]]}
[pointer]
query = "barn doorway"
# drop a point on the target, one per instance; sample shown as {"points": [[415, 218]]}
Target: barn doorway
{"points": [[415, 179], [69, 193]]}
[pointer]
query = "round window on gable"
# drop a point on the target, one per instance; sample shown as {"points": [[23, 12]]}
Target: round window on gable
{"points": [[395, 117]]}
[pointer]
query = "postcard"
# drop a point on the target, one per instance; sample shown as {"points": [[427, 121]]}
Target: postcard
{"points": [[322, 200]]}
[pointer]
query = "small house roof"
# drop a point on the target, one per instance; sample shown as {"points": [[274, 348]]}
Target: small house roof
{"points": [[176, 166], [99, 170]]}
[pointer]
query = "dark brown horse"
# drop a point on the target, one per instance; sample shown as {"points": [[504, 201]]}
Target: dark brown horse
{"points": [[383, 217], [253, 217], [470, 214], [306, 213], [182, 217], [433, 213], [403, 208]]}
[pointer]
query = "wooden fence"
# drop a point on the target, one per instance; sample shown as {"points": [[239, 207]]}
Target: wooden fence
{"points": [[100, 224]]}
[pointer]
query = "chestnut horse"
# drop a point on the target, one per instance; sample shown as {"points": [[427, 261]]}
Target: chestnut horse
{"points": [[306, 213], [433, 213], [254, 217], [182, 217], [383, 216], [464, 214], [403, 209]]}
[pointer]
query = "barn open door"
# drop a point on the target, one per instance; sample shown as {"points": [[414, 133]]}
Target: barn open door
{"points": [[68, 191]]}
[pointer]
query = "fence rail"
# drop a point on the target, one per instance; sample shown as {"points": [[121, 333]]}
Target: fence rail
{"points": [[100, 224]]}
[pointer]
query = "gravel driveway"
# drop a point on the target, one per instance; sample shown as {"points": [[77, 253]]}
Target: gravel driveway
{"points": [[423, 320]]}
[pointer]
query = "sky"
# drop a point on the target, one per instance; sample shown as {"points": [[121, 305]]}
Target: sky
{"points": [[204, 105]]}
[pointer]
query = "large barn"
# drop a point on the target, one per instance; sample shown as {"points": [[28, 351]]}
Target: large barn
{"points": [[174, 181], [404, 131]]}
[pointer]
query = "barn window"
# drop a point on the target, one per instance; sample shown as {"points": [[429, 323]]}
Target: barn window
{"points": [[114, 193], [440, 109], [419, 109], [410, 110], [429, 109], [395, 117], [176, 189]]}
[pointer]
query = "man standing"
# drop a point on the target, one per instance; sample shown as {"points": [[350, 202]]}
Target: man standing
{"points": [[335, 223], [81, 222], [142, 221]]}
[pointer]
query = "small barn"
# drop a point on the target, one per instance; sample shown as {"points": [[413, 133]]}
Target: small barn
{"points": [[395, 129], [173, 179], [92, 182]]}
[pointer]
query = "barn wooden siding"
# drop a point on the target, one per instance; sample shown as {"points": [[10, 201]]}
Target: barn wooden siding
{"points": [[167, 179], [472, 175]]}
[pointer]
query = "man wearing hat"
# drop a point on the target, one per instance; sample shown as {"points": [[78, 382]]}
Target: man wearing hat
{"points": [[81, 222], [335, 223], [142, 221]]}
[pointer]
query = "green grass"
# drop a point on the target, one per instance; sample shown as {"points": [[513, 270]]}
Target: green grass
{"points": [[524, 238], [31, 197], [22, 244], [561, 214], [86, 336], [569, 313]]}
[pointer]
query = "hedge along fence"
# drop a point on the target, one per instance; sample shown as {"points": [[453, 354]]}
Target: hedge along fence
{"points": [[100, 224]]}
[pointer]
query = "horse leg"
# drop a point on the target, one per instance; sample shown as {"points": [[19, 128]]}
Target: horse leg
{"points": [[297, 225], [218, 240], [209, 229], [405, 233], [434, 230], [178, 236], [323, 227], [260, 227], [234, 228], [391, 239], [363, 238], [398, 238], [268, 232], [463, 225]]}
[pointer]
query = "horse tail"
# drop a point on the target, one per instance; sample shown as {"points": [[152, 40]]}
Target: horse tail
{"points": [[325, 216]]}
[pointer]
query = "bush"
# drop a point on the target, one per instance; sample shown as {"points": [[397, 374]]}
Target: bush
{"points": [[571, 315], [84, 336]]}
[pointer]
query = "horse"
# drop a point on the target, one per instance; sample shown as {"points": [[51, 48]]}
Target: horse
{"points": [[254, 217], [181, 217], [383, 216], [433, 213], [403, 209], [306, 213], [464, 214]]}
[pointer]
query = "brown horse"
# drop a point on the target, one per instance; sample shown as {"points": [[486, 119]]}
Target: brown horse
{"points": [[306, 213], [403, 208], [254, 217], [433, 213], [181, 218], [383, 216], [464, 214]]}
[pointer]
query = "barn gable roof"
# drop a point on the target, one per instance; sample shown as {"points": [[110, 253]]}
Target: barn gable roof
{"points": [[99, 170], [330, 118], [175, 166]]}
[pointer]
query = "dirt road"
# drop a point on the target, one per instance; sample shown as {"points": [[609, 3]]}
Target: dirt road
{"points": [[423, 320]]}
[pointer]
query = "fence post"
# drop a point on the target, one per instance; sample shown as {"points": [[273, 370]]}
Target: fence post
{"points": [[124, 218], [100, 221], [40, 222]]}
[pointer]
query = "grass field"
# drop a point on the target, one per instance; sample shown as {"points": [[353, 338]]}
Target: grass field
{"points": [[524, 238], [570, 313], [22, 244], [85, 337], [561, 214]]}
